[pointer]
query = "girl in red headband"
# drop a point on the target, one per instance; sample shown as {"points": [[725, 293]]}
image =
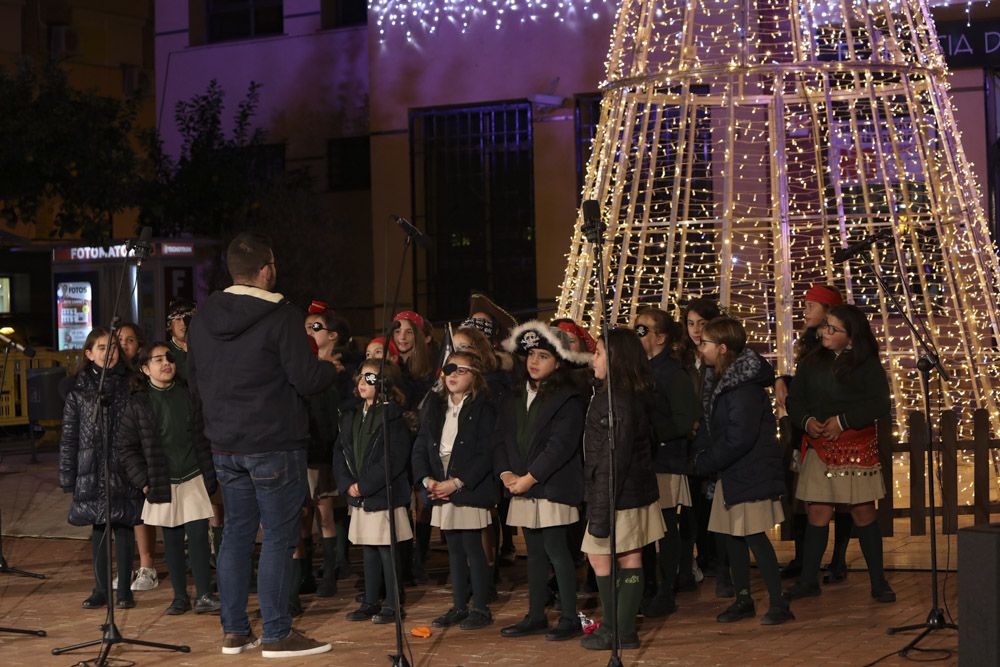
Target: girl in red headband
{"points": [[819, 299], [840, 391]]}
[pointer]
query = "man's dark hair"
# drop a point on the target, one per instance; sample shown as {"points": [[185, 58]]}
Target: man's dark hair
{"points": [[248, 253]]}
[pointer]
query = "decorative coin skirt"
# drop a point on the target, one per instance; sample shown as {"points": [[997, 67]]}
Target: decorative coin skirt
{"points": [[817, 484]]}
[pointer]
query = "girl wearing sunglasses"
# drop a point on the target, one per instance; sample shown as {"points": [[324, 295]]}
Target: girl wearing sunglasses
{"points": [[452, 460], [359, 468]]}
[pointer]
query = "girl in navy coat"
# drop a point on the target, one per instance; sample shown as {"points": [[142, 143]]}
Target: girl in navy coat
{"points": [[359, 467], [737, 439], [672, 412], [538, 458], [452, 459]]}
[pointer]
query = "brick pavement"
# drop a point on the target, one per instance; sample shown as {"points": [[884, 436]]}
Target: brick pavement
{"points": [[843, 627]]}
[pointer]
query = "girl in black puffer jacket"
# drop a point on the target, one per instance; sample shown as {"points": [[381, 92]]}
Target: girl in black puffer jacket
{"points": [[166, 454], [638, 520], [81, 466], [737, 439]]}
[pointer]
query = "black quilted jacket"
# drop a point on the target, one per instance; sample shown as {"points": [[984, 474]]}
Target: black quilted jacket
{"points": [[142, 455], [81, 454], [635, 480]]}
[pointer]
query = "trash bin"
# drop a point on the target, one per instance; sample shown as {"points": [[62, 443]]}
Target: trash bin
{"points": [[44, 401]]}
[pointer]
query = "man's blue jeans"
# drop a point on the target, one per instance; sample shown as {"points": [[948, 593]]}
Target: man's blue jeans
{"points": [[267, 490]]}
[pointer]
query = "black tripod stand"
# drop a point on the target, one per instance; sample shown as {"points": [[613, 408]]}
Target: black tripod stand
{"points": [[7, 569], [927, 361], [398, 659], [593, 231], [110, 633]]}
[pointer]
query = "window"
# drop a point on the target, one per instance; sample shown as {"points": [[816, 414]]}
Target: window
{"points": [[5, 296], [473, 192], [587, 117], [349, 164], [343, 13], [238, 19]]}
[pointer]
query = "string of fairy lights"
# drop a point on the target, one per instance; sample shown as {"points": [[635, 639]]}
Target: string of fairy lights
{"points": [[419, 19], [741, 143]]}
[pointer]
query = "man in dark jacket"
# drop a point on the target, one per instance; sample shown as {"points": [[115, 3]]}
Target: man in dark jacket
{"points": [[251, 366]]}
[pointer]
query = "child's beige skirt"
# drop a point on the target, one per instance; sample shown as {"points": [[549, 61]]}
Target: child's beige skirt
{"points": [[372, 528], [743, 519], [674, 490], [189, 502], [540, 513], [818, 485], [634, 529], [450, 516]]}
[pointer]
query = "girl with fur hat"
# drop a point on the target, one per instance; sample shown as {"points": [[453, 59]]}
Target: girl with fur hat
{"points": [[359, 467], [737, 440], [840, 392], [452, 460], [538, 459], [637, 518], [819, 299]]}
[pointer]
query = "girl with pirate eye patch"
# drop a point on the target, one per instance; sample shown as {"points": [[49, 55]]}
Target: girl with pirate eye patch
{"points": [[673, 408], [537, 456], [452, 460], [359, 468], [165, 454]]}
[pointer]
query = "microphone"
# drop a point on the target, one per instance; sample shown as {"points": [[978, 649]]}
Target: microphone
{"points": [[142, 246], [418, 236], [26, 350], [858, 247]]}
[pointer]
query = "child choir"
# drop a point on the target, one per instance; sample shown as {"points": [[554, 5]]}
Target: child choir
{"points": [[506, 429]]}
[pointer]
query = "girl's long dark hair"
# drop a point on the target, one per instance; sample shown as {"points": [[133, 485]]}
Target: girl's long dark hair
{"points": [[708, 309], [629, 368], [863, 345]]}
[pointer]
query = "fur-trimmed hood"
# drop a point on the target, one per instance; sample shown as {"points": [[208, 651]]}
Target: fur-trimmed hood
{"points": [[535, 333], [748, 368]]}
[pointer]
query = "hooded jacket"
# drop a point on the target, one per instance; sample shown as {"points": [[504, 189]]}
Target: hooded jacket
{"points": [[738, 434], [250, 365]]}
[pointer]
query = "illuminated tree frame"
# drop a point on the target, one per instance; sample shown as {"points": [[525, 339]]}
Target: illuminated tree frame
{"points": [[742, 143]]}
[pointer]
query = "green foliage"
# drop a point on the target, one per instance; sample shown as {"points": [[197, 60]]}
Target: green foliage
{"points": [[63, 146], [217, 183]]}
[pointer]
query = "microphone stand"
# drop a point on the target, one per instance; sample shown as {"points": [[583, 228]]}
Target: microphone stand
{"points": [[593, 230], [398, 659], [927, 361], [110, 633]]}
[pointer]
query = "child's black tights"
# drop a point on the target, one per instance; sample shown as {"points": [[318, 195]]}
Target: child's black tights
{"points": [[198, 551], [124, 553], [550, 542], [467, 562]]}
